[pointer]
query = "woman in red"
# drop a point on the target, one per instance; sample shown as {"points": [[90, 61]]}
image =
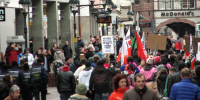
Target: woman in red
{"points": [[120, 85]]}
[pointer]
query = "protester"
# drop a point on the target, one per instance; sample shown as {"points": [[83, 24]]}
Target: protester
{"points": [[156, 73], [172, 59], [140, 91], [99, 81], [161, 80], [185, 89], [91, 59], [38, 55], [80, 44], [106, 65], [96, 58], [130, 60], [41, 79], [153, 86], [81, 52], [89, 53], [100, 54], [65, 83], [174, 78], [120, 85], [30, 58], [53, 49], [81, 91], [196, 77], [84, 77], [14, 93], [59, 55], [157, 60], [5, 86], [142, 64], [172, 70], [90, 45], [67, 49], [48, 59], [77, 72], [28, 88], [12, 52], [148, 70]]}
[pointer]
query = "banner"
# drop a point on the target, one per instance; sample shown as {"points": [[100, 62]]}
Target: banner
{"points": [[141, 50], [107, 44]]}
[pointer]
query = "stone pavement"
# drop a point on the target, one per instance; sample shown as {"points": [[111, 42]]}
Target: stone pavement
{"points": [[54, 95]]}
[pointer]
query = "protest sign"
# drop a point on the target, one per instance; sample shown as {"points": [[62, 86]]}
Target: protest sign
{"points": [[107, 44]]}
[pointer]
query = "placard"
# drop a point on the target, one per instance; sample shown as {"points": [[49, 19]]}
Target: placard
{"points": [[159, 39], [2, 14], [107, 44], [195, 41]]}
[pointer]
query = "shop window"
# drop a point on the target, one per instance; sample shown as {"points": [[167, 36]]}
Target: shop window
{"points": [[168, 4], [137, 2], [161, 4]]}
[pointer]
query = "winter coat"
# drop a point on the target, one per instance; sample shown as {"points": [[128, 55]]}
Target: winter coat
{"points": [[100, 54], [148, 72], [89, 54], [78, 97], [84, 77], [174, 78], [59, 55], [12, 54], [65, 82], [99, 80], [4, 90], [118, 94], [144, 94], [67, 50], [30, 59], [161, 83], [185, 90]]}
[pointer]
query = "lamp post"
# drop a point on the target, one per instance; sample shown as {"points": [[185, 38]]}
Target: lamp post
{"points": [[114, 22], [25, 5], [74, 10]]}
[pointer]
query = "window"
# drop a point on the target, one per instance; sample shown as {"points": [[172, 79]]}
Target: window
{"points": [[161, 4], [184, 4], [168, 4], [191, 3], [177, 4], [188, 4], [137, 2]]}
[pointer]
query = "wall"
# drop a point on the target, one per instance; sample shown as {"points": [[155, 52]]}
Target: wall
{"points": [[7, 28]]}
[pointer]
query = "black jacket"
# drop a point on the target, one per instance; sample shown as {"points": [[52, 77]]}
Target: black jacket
{"points": [[66, 82], [40, 76], [18, 76], [49, 61], [161, 83], [174, 78], [29, 78], [4, 90], [67, 50], [99, 80], [89, 54], [196, 80]]}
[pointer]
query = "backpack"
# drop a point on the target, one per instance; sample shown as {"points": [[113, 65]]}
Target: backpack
{"points": [[131, 72]]}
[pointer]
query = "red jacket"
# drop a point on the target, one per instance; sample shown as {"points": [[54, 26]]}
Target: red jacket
{"points": [[12, 55], [118, 95]]}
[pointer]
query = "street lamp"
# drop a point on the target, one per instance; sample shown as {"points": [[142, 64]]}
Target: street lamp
{"points": [[74, 10], [25, 5], [114, 7]]}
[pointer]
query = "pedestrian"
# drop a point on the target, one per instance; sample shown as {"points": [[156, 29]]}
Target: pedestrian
{"points": [[53, 48], [65, 83], [172, 70], [148, 70], [156, 73], [12, 53], [81, 52], [84, 77], [18, 76], [80, 44], [175, 78], [91, 59], [153, 86], [96, 58], [59, 55], [120, 86], [99, 81], [185, 89], [14, 93], [196, 77], [30, 58], [140, 91], [130, 60], [67, 49], [142, 64], [90, 45], [77, 72], [98, 45], [38, 55], [48, 59], [41, 79], [161, 80], [5, 86], [4, 71], [28, 88], [89, 53], [100, 54], [172, 59], [80, 94]]}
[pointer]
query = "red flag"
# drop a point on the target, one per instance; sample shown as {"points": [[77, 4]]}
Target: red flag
{"points": [[141, 50], [192, 63]]}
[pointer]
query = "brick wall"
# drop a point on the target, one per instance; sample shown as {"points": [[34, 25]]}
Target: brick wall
{"points": [[145, 8]]}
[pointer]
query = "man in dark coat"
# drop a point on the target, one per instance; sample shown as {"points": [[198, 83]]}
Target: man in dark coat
{"points": [[48, 59], [67, 50], [89, 53], [196, 77], [80, 44]]}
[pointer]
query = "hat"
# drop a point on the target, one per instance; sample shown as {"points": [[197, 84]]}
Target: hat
{"points": [[65, 68], [159, 67], [91, 59], [78, 37], [81, 89], [157, 59], [150, 61]]}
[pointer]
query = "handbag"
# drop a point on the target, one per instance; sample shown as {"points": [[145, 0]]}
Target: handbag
{"points": [[164, 96]]}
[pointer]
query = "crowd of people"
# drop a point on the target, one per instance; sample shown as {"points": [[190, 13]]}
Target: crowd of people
{"points": [[165, 75]]}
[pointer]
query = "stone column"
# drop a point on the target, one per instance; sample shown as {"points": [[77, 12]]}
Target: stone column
{"points": [[37, 25], [65, 24], [52, 30], [19, 24]]}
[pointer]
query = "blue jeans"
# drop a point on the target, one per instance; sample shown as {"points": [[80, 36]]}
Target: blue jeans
{"points": [[102, 96], [65, 95]]}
